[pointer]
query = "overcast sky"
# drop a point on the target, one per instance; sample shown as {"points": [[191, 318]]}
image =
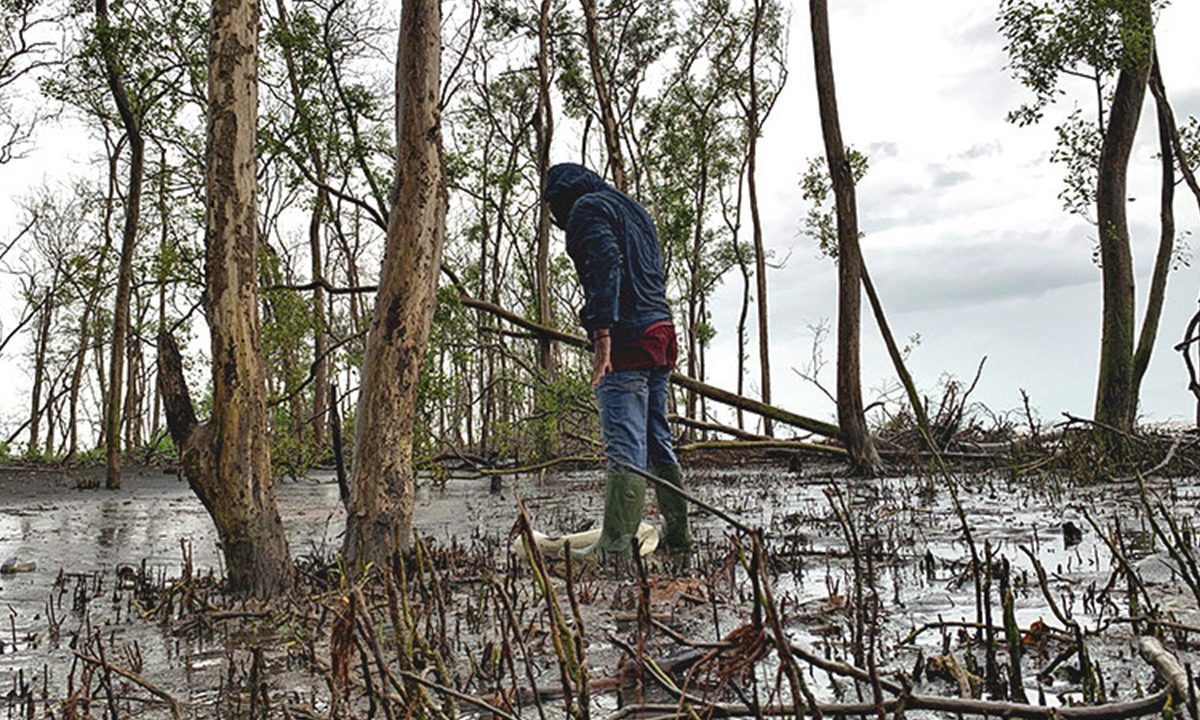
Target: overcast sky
{"points": [[966, 239], [965, 236]]}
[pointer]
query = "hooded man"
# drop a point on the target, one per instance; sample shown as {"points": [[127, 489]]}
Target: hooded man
{"points": [[614, 246]]}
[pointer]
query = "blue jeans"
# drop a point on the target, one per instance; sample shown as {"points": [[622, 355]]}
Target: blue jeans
{"points": [[633, 418]]}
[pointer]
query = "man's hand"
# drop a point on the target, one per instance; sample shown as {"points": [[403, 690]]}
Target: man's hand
{"points": [[603, 362]]}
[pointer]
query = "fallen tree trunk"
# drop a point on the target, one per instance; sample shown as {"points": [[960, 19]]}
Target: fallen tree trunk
{"points": [[715, 427], [725, 397], [817, 427]]}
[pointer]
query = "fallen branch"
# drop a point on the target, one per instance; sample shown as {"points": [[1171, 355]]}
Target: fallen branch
{"points": [[715, 427], [761, 445], [175, 705], [988, 708], [725, 397], [1169, 667]]}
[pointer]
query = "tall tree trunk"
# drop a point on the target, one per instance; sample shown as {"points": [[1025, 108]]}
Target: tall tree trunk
{"points": [[1166, 238], [131, 121], [760, 254], [164, 239], [743, 313], [41, 341], [544, 127], [1115, 401], [227, 460], [608, 119], [315, 224], [863, 456], [548, 432], [379, 515]]}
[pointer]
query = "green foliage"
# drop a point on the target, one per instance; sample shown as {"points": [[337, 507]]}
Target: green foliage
{"points": [[1049, 40], [1078, 150], [820, 222], [1046, 40]]}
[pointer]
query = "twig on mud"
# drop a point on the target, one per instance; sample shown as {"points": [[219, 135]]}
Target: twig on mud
{"points": [[1104, 426], [836, 667], [469, 699], [175, 705], [683, 639], [988, 708], [1177, 545], [516, 629], [1131, 574]]}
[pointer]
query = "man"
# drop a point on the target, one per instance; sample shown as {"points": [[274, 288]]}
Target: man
{"points": [[613, 243]]}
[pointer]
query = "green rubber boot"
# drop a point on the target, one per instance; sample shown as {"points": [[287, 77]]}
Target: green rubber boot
{"points": [[624, 502], [676, 535]]}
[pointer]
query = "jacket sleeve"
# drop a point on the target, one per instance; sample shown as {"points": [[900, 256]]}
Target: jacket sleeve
{"points": [[593, 247]]}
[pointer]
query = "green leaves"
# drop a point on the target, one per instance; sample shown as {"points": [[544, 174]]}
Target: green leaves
{"points": [[1048, 40], [817, 190]]}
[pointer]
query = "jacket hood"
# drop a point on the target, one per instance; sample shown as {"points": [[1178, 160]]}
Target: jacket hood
{"points": [[566, 183]]}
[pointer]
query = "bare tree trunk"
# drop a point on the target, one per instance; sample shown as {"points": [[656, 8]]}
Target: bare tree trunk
{"points": [[1115, 402], [695, 300], [227, 460], [608, 120], [1166, 238], [41, 341], [379, 514], [548, 432], [744, 267], [545, 135], [760, 255], [315, 223], [863, 456], [132, 124], [163, 243]]}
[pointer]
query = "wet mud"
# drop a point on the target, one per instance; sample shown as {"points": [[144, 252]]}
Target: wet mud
{"points": [[872, 573]]}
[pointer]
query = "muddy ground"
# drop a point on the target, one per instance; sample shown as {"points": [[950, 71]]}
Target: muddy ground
{"points": [[92, 561]]}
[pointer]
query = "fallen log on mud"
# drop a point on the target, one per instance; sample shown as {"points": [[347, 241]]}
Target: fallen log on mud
{"points": [[1168, 666], [715, 427], [716, 394], [987, 708], [725, 397], [762, 445]]}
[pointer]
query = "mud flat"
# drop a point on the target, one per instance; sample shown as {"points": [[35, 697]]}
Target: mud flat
{"points": [[876, 574]]}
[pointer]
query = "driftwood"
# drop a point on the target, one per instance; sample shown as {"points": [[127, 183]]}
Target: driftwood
{"points": [[1169, 667]]}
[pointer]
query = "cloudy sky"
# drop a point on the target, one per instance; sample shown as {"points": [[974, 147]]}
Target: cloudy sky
{"points": [[966, 239], [965, 236]]}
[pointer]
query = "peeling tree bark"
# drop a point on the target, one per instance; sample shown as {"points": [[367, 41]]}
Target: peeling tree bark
{"points": [[227, 460], [379, 514]]}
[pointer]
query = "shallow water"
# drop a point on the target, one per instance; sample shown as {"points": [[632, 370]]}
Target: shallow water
{"points": [[919, 559]]}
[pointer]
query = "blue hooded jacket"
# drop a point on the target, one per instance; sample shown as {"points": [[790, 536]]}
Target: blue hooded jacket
{"points": [[613, 243]]}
